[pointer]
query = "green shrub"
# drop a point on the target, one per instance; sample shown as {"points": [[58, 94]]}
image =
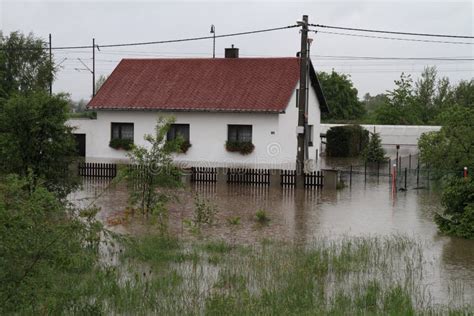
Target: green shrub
{"points": [[262, 216], [244, 148], [185, 145], [346, 141], [118, 143], [374, 151], [458, 201], [234, 220]]}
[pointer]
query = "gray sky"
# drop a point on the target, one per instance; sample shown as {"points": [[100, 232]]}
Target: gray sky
{"points": [[77, 22]]}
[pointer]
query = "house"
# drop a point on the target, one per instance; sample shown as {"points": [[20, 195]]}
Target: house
{"points": [[214, 101]]}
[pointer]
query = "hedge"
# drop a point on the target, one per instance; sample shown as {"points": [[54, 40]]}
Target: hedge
{"points": [[346, 141]]}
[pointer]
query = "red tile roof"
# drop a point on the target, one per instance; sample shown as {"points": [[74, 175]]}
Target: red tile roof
{"points": [[221, 84]]}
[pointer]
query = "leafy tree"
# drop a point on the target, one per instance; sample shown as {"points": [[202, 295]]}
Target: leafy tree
{"points": [[341, 97], [452, 148], [99, 82], [34, 139], [374, 151], [371, 103], [458, 201], [400, 108], [153, 172], [45, 253], [346, 141], [24, 64]]}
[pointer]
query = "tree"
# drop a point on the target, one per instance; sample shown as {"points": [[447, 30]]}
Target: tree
{"points": [[346, 141], [341, 97], [452, 148], [400, 108], [371, 103], [34, 139], [45, 252], [153, 170], [374, 151], [458, 201], [24, 64], [99, 82]]}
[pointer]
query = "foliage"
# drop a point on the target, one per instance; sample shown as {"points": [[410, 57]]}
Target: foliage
{"points": [[235, 220], [371, 103], [424, 101], [452, 148], [119, 143], [458, 202], [24, 65], [184, 145], [152, 173], [78, 115], [374, 151], [46, 251], [341, 97], [346, 141], [244, 148], [204, 214], [99, 82], [262, 217], [34, 138]]}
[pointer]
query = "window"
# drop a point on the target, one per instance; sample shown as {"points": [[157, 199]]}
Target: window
{"points": [[239, 133], [122, 131], [310, 135], [176, 130]]}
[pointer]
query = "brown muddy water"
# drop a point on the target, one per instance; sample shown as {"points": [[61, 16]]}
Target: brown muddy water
{"points": [[366, 208]]}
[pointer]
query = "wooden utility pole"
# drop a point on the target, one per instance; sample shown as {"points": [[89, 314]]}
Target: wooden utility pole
{"points": [[302, 107], [51, 65], [93, 67]]}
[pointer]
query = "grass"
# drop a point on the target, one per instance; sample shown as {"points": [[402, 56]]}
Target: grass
{"points": [[349, 276], [262, 217]]}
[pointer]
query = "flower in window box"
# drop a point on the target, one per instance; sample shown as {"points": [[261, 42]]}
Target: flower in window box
{"points": [[118, 143], [244, 148]]}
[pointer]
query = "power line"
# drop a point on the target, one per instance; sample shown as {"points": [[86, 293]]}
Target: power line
{"points": [[165, 41], [345, 57], [391, 32], [394, 38]]}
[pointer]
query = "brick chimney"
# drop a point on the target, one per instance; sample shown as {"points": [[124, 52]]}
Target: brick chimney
{"points": [[232, 52]]}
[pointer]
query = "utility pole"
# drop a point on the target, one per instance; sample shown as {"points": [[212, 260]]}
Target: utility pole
{"points": [[93, 67], [213, 32], [300, 154], [51, 65]]}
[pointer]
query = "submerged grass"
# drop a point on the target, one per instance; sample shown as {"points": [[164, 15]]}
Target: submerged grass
{"points": [[350, 276]]}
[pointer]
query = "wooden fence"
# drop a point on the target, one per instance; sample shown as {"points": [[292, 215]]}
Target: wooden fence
{"points": [[97, 170], [253, 176], [203, 174], [312, 179]]}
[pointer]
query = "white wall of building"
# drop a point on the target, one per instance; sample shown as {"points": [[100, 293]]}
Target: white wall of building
{"points": [[274, 135]]}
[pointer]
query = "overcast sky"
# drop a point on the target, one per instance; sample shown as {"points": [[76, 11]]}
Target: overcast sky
{"points": [[77, 22]]}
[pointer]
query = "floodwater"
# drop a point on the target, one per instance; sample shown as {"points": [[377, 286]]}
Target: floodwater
{"points": [[365, 208]]}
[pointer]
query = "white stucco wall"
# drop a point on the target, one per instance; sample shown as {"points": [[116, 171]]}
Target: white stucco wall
{"points": [[274, 135]]}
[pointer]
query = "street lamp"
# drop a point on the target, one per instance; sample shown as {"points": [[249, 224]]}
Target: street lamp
{"points": [[213, 31]]}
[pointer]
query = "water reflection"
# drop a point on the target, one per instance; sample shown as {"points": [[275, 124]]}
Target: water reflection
{"points": [[365, 208]]}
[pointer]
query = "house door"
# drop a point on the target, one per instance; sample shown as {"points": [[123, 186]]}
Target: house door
{"points": [[80, 144]]}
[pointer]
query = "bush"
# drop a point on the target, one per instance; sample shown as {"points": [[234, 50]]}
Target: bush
{"points": [[118, 143], [374, 151], [346, 141], [244, 148], [458, 201], [262, 217], [185, 145]]}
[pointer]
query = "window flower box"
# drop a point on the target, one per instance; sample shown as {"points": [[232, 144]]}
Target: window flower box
{"points": [[244, 148]]}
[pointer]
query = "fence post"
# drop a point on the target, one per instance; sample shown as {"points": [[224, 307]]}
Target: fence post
{"points": [[378, 169], [350, 177], [389, 166], [418, 174], [405, 178], [409, 161], [465, 172], [365, 171]]}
